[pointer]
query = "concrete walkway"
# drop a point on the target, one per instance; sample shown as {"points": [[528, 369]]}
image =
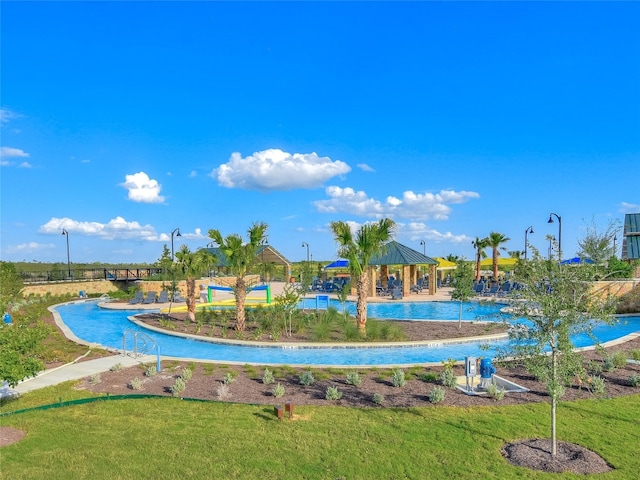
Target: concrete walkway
{"points": [[73, 371]]}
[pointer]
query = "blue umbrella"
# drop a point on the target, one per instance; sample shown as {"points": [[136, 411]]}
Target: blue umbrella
{"points": [[576, 260], [338, 264]]}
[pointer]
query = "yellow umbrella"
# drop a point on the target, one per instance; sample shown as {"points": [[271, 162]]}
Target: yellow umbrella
{"points": [[502, 262]]}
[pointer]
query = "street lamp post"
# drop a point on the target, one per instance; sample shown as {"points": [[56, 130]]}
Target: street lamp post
{"points": [[305, 244], [424, 247], [615, 251], [177, 235], [526, 240], [551, 215], [66, 234]]}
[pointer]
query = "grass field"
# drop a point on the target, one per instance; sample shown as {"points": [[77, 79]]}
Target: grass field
{"points": [[170, 438]]}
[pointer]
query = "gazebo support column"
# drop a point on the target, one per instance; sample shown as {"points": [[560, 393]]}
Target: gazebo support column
{"points": [[406, 280], [433, 281], [371, 271]]}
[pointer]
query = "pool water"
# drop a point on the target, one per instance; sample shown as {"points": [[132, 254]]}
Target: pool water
{"points": [[93, 324], [416, 310]]}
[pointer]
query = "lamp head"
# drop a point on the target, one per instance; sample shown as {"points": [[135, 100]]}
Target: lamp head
{"points": [[550, 219], [64, 232]]}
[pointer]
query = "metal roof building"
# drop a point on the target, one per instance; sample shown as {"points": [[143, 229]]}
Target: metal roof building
{"points": [[631, 237]]}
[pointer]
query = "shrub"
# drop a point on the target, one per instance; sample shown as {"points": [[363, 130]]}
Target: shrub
{"points": [[306, 378], [228, 378], [634, 379], [150, 371], [278, 391], [597, 385], [117, 367], [333, 393], [136, 384], [378, 398], [430, 377], [495, 392], [619, 359], [437, 394], [635, 354], [353, 378], [267, 377], [447, 378], [397, 378], [178, 387], [223, 391], [95, 379], [186, 374], [595, 368]]}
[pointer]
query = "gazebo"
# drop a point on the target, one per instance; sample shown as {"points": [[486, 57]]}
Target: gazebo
{"points": [[398, 254]]}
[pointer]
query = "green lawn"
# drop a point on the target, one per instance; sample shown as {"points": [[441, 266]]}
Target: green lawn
{"points": [[169, 438]]}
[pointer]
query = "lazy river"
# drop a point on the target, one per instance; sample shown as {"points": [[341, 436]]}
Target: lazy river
{"points": [[92, 324]]}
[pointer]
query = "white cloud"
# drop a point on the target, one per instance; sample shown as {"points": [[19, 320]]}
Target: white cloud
{"points": [[6, 152], [629, 207], [30, 247], [142, 188], [411, 206], [25, 165], [417, 231], [7, 115], [274, 169], [193, 173], [116, 228], [364, 167]]}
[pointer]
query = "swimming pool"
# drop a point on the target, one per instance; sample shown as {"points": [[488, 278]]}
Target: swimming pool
{"points": [[93, 324]]}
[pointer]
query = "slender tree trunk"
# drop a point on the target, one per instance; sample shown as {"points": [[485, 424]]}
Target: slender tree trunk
{"points": [[361, 303], [495, 264], [241, 294], [478, 267], [460, 317], [554, 395], [191, 298]]}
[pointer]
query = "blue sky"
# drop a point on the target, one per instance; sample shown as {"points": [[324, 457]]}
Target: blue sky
{"points": [[122, 121]]}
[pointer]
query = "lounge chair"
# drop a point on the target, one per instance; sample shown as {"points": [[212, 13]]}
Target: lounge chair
{"points": [[396, 293], [163, 297], [137, 298], [150, 298], [178, 298], [478, 288], [492, 290]]}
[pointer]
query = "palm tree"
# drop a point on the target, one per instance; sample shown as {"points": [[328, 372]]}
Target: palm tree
{"points": [[240, 257], [479, 244], [494, 240], [359, 249], [192, 264]]}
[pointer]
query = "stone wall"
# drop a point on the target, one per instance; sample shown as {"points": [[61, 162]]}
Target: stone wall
{"points": [[617, 288], [73, 288], [106, 286]]}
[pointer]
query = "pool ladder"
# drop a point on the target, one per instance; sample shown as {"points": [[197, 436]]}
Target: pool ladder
{"points": [[142, 343]]}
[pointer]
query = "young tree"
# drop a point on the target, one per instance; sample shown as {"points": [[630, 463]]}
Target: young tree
{"points": [[241, 257], [494, 241], [597, 244], [462, 285], [556, 303], [192, 264], [359, 249], [479, 244]]}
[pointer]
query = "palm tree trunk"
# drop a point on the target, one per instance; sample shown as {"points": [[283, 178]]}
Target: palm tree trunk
{"points": [[495, 264], [361, 303], [478, 266], [191, 298], [241, 295]]}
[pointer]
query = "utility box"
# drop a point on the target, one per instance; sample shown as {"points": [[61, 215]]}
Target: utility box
{"points": [[470, 366]]}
